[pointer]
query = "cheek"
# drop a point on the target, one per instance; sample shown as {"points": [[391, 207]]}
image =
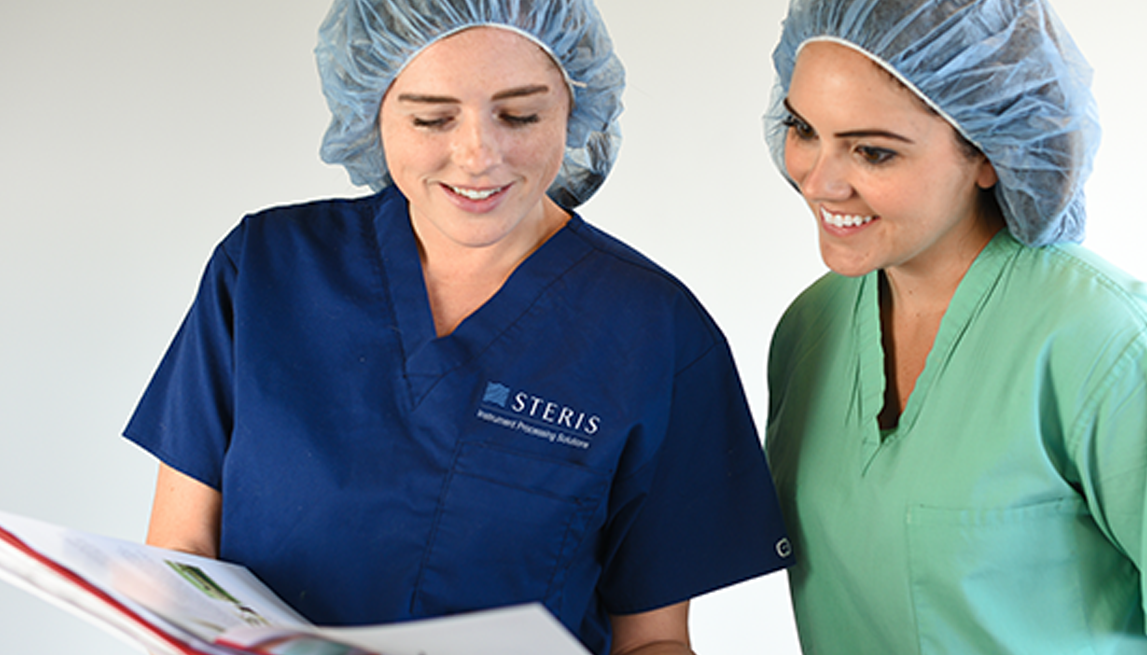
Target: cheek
{"points": [[409, 152], [557, 148], [951, 191], [542, 149], [798, 159]]}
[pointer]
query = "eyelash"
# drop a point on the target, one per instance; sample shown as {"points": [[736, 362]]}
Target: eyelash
{"points": [[875, 156], [515, 120], [433, 123], [799, 128], [511, 120], [870, 155]]}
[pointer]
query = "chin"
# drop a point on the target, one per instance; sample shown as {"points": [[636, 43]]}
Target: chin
{"points": [[841, 264], [850, 272]]}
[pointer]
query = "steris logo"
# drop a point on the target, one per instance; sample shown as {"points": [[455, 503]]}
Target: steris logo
{"points": [[537, 416], [496, 394]]}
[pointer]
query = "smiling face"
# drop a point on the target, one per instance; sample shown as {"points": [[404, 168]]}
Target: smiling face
{"points": [[474, 133], [887, 180]]}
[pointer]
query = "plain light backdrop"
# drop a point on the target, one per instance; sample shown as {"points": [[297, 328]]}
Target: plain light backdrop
{"points": [[135, 133]]}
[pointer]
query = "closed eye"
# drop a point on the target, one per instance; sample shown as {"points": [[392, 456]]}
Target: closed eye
{"points": [[515, 120], [431, 123]]}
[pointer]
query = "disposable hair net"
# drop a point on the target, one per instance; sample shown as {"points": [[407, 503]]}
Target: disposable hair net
{"points": [[1005, 73], [364, 44]]}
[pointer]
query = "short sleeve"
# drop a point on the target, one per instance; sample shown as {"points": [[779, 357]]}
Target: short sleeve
{"points": [[185, 415], [710, 516]]}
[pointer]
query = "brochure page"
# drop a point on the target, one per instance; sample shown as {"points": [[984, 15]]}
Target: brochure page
{"points": [[172, 603], [137, 590]]}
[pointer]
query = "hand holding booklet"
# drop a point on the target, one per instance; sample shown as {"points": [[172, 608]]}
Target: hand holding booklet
{"points": [[172, 603]]}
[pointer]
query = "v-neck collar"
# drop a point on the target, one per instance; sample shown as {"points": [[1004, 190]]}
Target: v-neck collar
{"points": [[972, 292], [428, 357]]}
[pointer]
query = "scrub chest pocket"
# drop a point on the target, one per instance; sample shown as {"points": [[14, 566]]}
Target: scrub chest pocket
{"points": [[507, 528], [1010, 571]]}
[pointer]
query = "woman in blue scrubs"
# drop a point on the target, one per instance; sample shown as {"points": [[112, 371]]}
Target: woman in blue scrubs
{"points": [[958, 411], [455, 393]]}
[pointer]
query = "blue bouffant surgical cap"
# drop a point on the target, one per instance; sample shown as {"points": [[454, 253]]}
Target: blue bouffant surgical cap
{"points": [[1004, 73], [365, 44]]}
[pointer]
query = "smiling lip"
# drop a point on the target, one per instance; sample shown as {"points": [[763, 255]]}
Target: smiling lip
{"points": [[844, 221], [475, 194]]}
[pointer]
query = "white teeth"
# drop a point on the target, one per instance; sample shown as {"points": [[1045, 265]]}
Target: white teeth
{"points": [[844, 220], [473, 194]]}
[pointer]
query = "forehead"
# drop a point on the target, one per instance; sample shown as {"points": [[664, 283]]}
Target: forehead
{"points": [[829, 67], [839, 87], [840, 56], [481, 55]]}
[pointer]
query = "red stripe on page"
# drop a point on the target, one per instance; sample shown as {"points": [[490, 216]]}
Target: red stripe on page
{"points": [[100, 594]]}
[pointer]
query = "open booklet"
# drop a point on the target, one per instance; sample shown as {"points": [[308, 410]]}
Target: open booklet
{"points": [[172, 603]]}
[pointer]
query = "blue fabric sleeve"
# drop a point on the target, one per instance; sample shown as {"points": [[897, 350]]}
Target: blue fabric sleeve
{"points": [[185, 415], [710, 517]]}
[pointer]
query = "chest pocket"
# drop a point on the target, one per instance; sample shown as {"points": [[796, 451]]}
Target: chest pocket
{"points": [[507, 529], [1011, 580]]}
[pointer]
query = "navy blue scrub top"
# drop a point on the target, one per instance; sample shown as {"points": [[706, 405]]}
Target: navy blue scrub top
{"points": [[581, 440]]}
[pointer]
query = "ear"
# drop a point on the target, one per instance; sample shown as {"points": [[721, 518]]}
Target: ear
{"points": [[986, 178]]}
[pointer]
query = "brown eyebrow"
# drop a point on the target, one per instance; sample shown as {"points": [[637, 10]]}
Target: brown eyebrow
{"points": [[517, 92], [855, 134], [791, 110], [522, 91], [862, 134], [426, 99]]}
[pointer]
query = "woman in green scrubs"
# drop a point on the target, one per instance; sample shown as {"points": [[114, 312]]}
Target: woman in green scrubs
{"points": [[958, 410]]}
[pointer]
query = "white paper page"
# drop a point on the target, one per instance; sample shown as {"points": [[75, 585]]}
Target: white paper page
{"points": [[134, 626], [518, 630], [202, 596], [46, 584], [207, 597]]}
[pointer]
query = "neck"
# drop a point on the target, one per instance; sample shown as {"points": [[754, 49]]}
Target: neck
{"points": [[926, 288], [913, 301], [460, 277], [449, 257]]}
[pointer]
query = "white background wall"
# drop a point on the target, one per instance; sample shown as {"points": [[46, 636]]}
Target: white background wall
{"points": [[135, 133]]}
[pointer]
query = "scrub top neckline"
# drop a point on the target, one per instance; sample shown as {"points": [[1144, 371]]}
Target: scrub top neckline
{"points": [[427, 356], [971, 293]]}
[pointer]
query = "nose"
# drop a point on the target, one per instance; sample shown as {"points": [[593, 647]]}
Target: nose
{"points": [[823, 177], [475, 146]]}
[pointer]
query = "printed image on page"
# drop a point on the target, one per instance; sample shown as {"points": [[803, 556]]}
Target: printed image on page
{"points": [[174, 603]]}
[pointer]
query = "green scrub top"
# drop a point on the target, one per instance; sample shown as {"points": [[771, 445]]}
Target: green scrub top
{"points": [[1005, 513]]}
